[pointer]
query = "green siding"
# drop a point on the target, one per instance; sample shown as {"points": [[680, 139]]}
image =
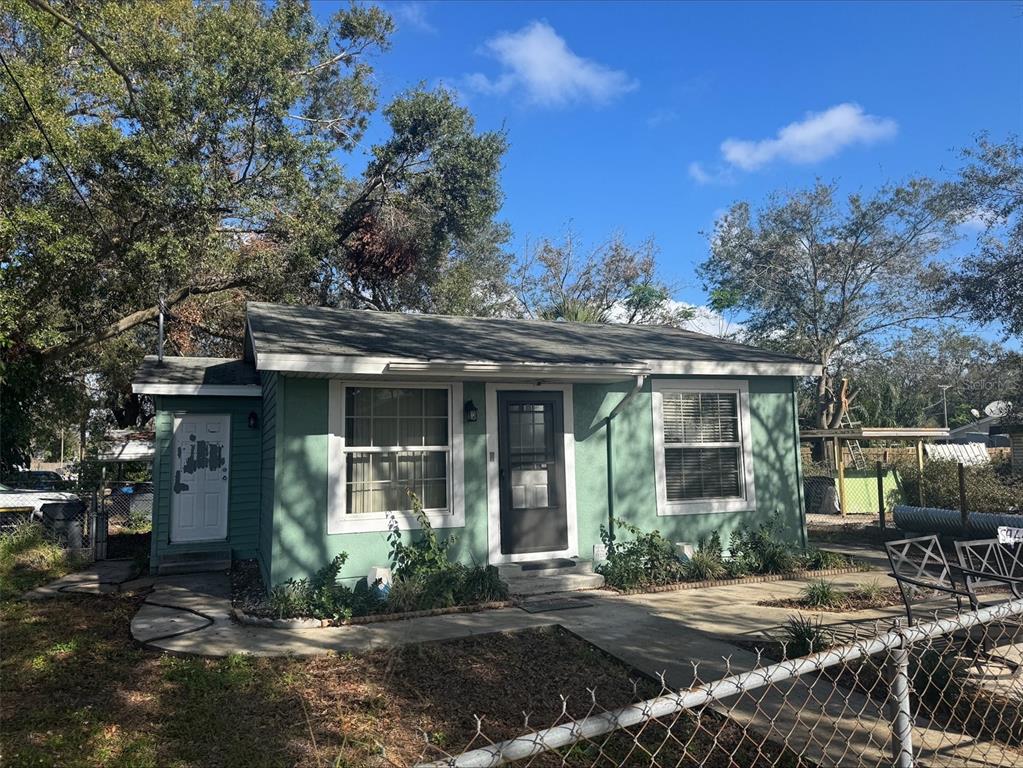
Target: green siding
{"points": [[297, 450], [301, 543], [268, 459], [244, 483], [775, 464]]}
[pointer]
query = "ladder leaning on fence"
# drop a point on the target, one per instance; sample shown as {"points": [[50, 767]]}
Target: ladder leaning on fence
{"points": [[855, 449]]}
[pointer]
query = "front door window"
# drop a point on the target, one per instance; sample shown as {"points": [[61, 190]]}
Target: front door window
{"points": [[532, 473]]}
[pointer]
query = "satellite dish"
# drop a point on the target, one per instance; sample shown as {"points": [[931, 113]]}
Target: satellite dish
{"points": [[975, 413], [997, 408]]}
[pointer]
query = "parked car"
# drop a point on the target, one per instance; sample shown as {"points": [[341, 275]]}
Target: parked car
{"points": [[38, 479], [32, 500]]}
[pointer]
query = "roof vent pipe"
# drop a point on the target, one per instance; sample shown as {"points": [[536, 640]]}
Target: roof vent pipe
{"points": [[159, 330]]}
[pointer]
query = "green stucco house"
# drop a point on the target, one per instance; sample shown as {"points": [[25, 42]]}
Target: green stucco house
{"points": [[520, 437]]}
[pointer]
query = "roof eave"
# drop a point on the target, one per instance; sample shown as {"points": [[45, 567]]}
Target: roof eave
{"points": [[385, 366], [202, 390]]}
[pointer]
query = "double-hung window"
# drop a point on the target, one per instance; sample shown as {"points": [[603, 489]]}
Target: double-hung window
{"points": [[702, 444], [398, 441]]}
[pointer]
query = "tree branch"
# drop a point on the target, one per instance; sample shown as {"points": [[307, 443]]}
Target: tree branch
{"points": [[128, 322], [44, 6]]}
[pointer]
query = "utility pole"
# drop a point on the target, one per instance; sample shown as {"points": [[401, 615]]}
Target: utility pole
{"points": [[944, 401]]}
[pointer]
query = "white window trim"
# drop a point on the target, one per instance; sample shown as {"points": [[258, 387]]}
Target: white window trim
{"points": [[337, 519], [748, 502], [493, 478]]}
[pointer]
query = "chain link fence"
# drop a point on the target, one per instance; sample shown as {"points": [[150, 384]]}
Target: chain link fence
{"points": [[860, 492], [80, 519], [945, 693]]}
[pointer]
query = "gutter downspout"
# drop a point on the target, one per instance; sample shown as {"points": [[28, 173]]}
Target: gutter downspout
{"points": [[636, 387]]}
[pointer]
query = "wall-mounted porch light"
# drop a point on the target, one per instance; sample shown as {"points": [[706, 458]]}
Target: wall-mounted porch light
{"points": [[472, 413], [253, 420]]}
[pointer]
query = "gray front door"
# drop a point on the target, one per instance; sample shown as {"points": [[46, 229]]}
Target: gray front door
{"points": [[531, 461]]}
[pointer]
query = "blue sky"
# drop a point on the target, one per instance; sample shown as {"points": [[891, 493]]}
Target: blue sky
{"points": [[651, 118]]}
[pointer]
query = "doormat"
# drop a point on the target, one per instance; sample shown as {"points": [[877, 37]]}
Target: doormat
{"points": [[554, 604]]}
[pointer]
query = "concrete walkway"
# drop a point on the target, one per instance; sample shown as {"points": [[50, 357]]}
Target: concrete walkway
{"points": [[190, 614], [99, 578], [682, 637]]}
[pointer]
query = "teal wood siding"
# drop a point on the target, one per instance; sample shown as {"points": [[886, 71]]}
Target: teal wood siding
{"points": [[268, 460], [776, 464], [244, 483], [299, 544]]}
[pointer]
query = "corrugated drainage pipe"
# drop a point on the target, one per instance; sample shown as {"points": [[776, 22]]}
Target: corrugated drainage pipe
{"points": [[949, 521]]}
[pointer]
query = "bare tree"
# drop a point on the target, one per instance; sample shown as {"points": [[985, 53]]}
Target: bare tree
{"points": [[614, 282]]}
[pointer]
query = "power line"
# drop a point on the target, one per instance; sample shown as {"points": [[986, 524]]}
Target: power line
{"points": [[53, 151]]}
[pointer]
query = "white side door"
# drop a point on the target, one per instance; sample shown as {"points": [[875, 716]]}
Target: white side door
{"points": [[199, 477]]}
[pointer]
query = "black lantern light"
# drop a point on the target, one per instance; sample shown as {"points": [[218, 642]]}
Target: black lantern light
{"points": [[253, 419], [472, 413]]}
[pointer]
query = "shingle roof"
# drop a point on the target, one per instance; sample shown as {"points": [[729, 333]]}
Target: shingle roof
{"points": [[196, 371], [276, 329]]}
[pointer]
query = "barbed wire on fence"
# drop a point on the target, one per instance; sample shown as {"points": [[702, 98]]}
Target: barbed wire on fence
{"points": [[948, 692]]}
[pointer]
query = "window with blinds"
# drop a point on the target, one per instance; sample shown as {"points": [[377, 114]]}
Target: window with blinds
{"points": [[702, 445], [396, 442]]}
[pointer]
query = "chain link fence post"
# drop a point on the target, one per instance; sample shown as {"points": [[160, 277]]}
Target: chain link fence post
{"points": [[102, 522], [901, 707], [880, 495]]}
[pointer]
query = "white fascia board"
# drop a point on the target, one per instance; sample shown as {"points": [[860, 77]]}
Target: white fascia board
{"points": [[365, 365], [340, 364], [210, 390], [731, 368], [547, 371], [358, 365]]}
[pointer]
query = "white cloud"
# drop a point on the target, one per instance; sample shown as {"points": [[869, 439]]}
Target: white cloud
{"points": [[818, 136], [660, 117], [701, 175], [539, 62], [414, 15], [979, 220], [706, 320]]}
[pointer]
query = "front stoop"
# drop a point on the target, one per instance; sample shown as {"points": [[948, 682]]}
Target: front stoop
{"points": [[195, 562], [548, 576]]}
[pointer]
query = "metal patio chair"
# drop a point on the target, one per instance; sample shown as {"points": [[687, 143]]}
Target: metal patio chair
{"points": [[919, 563], [989, 563]]}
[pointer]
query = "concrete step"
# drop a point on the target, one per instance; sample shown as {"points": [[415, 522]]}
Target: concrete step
{"points": [[546, 576], [195, 562], [543, 585], [553, 567]]}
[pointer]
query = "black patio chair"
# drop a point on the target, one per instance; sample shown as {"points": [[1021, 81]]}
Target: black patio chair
{"points": [[919, 563], [989, 563]]}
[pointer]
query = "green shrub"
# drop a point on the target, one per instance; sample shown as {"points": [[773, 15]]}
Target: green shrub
{"points": [[761, 550], [805, 635], [423, 578], [707, 563], [871, 591], [320, 596], [647, 559], [818, 560], [821, 594], [425, 553], [990, 487], [481, 584]]}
